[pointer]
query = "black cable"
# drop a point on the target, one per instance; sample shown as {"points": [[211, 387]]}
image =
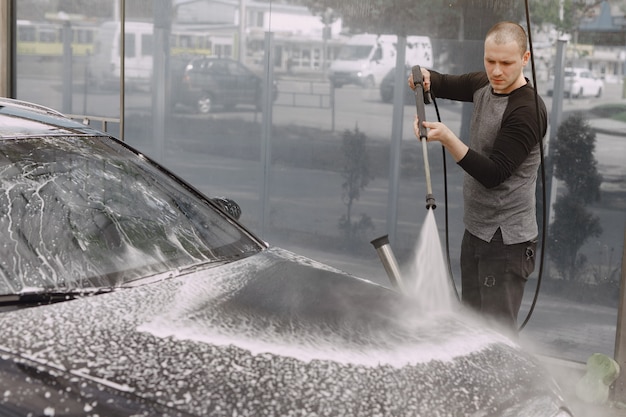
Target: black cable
{"points": [[543, 172]]}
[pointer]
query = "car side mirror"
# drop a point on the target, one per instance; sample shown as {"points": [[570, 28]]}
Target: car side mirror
{"points": [[228, 206]]}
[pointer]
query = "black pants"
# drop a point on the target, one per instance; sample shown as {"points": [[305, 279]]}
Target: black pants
{"points": [[493, 276]]}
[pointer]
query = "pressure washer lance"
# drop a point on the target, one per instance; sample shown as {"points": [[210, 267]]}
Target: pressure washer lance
{"points": [[420, 99], [389, 261]]}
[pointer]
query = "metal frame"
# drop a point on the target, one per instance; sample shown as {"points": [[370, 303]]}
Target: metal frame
{"points": [[7, 48]]}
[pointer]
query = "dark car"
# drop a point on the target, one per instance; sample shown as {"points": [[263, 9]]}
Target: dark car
{"points": [[126, 292], [206, 82], [387, 86]]}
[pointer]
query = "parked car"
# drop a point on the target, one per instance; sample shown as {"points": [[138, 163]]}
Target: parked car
{"points": [[579, 82], [126, 292], [387, 86], [206, 82]]}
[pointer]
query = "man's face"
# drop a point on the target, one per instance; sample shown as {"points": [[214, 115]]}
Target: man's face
{"points": [[504, 65]]}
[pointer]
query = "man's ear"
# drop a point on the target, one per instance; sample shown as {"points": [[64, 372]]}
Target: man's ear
{"points": [[525, 58]]}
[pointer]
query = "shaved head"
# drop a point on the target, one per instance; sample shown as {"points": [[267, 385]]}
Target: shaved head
{"points": [[505, 32]]}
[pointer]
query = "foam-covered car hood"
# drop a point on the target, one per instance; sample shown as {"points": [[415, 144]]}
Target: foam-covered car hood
{"points": [[276, 334]]}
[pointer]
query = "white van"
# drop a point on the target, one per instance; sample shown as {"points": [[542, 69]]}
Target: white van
{"points": [[366, 58], [104, 66]]}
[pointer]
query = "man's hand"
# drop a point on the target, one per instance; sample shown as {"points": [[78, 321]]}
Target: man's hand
{"points": [[425, 80], [439, 132]]}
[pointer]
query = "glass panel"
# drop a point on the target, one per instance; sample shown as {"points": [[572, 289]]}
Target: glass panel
{"points": [[282, 158]]}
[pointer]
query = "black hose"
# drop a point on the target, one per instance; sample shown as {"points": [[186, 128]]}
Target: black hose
{"points": [[543, 173]]}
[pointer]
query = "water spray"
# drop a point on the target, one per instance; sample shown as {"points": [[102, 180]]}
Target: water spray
{"points": [[422, 98], [381, 244]]}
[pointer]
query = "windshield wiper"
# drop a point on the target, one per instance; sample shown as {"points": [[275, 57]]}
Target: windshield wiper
{"points": [[38, 296]]}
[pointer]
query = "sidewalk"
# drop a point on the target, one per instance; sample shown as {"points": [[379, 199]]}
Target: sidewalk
{"points": [[608, 126]]}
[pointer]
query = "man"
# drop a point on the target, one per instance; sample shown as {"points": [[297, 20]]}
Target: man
{"points": [[500, 164]]}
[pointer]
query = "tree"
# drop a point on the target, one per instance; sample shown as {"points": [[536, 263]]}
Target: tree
{"points": [[356, 175], [574, 162], [566, 15], [399, 17], [572, 227], [576, 166]]}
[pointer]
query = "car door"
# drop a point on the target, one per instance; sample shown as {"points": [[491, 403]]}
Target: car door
{"points": [[586, 83], [219, 81], [247, 86]]}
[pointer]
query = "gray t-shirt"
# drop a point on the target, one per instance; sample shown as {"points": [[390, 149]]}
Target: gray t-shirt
{"points": [[501, 166]]}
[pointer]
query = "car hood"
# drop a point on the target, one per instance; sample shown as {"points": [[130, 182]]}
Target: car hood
{"points": [[275, 333]]}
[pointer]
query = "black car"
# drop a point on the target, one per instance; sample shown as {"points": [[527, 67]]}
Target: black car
{"points": [[206, 82], [126, 292], [387, 86]]}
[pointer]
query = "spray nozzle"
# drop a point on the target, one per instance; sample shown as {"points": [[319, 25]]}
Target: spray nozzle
{"points": [[430, 202], [388, 259]]}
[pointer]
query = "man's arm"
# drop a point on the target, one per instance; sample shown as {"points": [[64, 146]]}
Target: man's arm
{"points": [[514, 143]]}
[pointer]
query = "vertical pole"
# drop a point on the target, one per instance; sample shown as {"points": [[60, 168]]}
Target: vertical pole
{"points": [[266, 150], [332, 107], [242, 31], [555, 120], [557, 95], [160, 74], [67, 67], [619, 387], [396, 139], [122, 14], [7, 49]]}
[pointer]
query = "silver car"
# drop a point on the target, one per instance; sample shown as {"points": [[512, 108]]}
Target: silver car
{"points": [[126, 292]]}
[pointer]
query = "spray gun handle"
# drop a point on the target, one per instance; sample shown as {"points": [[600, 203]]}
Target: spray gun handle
{"points": [[418, 81], [417, 75]]}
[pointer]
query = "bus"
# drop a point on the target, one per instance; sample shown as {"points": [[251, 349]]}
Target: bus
{"points": [[45, 39], [104, 67]]}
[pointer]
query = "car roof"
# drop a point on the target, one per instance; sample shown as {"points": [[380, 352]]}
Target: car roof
{"points": [[576, 70], [20, 118]]}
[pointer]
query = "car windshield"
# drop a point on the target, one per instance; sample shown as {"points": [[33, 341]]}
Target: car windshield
{"points": [[354, 52], [80, 212]]}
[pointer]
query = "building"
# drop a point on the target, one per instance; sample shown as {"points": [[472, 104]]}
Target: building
{"points": [[302, 42], [601, 43]]}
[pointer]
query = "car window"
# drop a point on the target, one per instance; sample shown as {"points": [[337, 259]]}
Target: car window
{"points": [[219, 68], [80, 213], [194, 65], [234, 68]]}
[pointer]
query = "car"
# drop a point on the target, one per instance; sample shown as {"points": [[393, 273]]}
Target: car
{"points": [[207, 82], [387, 86], [124, 291], [579, 82]]}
